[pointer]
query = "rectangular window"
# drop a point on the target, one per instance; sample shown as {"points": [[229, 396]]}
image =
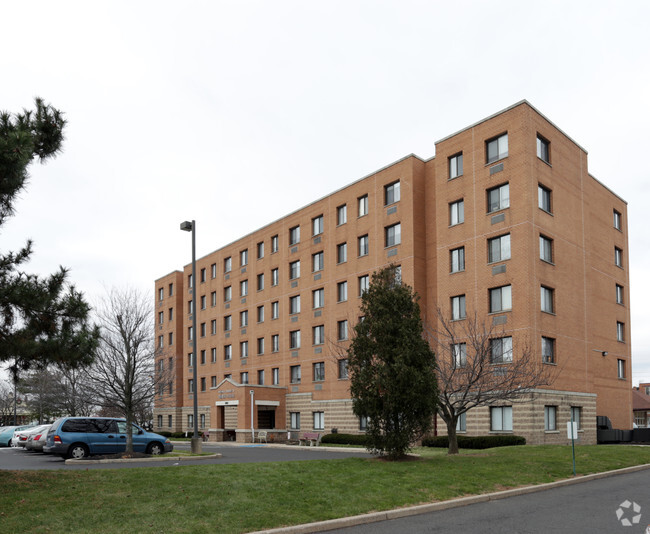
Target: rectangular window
{"points": [[319, 371], [317, 261], [243, 318], [393, 235], [461, 423], [213, 382], [161, 293], [620, 331], [274, 244], [213, 298], [546, 297], [190, 281], [341, 253], [617, 220], [318, 298], [318, 335], [496, 148], [213, 327], [364, 284], [260, 314], [456, 212], [294, 339], [363, 205], [276, 375], [499, 248], [317, 225], [171, 290], [243, 257], [576, 416], [342, 330], [275, 310], [363, 245], [294, 270], [171, 338], [341, 215], [548, 349], [243, 288], [190, 306], [621, 368], [260, 250], [457, 260], [501, 418], [545, 249], [363, 422], [227, 264], [543, 149], [275, 343], [391, 193], [294, 304], [260, 346], [161, 341], [342, 291], [544, 198], [550, 413], [202, 383], [213, 270], [260, 281], [459, 354], [171, 314], [319, 420], [458, 308], [227, 294], [500, 299], [203, 275], [227, 323], [619, 294], [161, 317], [294, 420], [294, 235], [243, 349], [501, 350], [343, 368], [275, 277], [618, 257], [190, 389], [295, 374], [190, 333], [203, 302], [243, 378], [227, 352], [169, 421], [456, 166], [213, 354], [498, 198]]}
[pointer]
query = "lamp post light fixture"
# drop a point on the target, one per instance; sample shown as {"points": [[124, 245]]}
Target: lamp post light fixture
{"points": [[188, 226]]}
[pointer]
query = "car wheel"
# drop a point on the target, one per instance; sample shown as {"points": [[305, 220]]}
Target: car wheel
{"points": [[155, 448], [78, 451]]}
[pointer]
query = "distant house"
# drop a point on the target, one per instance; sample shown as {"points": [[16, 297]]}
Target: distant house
{"points": [[641, 405]]}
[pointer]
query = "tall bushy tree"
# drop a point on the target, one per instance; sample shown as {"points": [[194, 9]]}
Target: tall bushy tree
{"points": [[42, 319], [392, 367]]}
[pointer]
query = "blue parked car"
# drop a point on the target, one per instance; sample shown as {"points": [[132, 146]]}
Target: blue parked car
{"points": [[79, 437], [7, 434]]}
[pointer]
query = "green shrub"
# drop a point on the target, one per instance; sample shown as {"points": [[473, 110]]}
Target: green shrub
{"points": [[475, 442], [345, 439], [165, 434]]}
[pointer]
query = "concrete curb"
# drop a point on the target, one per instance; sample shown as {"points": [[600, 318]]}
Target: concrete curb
{"points": [[161, 458], [331, 524]]}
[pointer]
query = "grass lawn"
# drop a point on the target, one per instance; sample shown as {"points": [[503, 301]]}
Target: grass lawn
{"points": [[246, 497]]}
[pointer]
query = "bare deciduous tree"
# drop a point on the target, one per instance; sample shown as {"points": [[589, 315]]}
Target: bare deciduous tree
{"points": [[476, 369]]}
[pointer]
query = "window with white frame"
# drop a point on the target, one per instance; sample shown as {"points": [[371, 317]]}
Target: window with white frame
{"points": [[243, 349], [190, 281], [190, 386], [275, 343], [545, 249], [161, 293], [317, 225], [619, 294], [363, 205], [260, 250], [190, 420], [498, 198], [319, 371], [213, 298], [544, 198], [294, 420], [243, 318], [295, 374], [393, 235], [617, 220], [317, 261], [275, 372], [294, 235], [275, 310], [227, 322], [457, 260], [496, 148], [243, 257], [227, 264], [213, 327], [621, 368], [391, 193], [461, 422], [243, 378], [342, 291], [456, 166], [548, 349], [161, 317], [363, 245], [546, 298], [319, 420], [227, 352], [543, 149], [499, 248], [190, 333], [343, 368], [342, 330], [620, 331], [576, 416], [501, 418], [161, 341], [459, 355], [294, 304], [213, 270], [363, 422], [260, 314], [275, 277], [550, 415], [458, 308], [364, 284], [341, 215], [213, 354], [294, 270], [341, 253], [318, 298], [294, 339], [227, 294], [500, 299], [243, 288], [618, 257], [318, 335], [275, 240], [456, 212], [501, 350]]}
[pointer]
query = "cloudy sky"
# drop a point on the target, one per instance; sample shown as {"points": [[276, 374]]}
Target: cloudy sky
{"points": [[236, 113]]}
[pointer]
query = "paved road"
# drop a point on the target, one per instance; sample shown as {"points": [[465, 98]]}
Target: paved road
{"points": [[587, 508], [17, 458]]}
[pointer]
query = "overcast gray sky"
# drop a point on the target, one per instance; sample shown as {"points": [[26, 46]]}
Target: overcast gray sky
{"points": [[287, 101]]}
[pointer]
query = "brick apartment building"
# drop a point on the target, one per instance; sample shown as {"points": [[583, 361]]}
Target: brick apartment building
{"points": [[505, 222]]}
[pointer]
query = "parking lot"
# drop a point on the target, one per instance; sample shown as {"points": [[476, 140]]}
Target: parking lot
{"points": [[16, 458]]}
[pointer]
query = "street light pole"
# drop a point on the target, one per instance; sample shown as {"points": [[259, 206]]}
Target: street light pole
{"points": [[196, 441]]}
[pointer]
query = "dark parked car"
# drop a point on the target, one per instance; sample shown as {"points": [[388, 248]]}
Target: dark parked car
{"points": [[79, 437]]}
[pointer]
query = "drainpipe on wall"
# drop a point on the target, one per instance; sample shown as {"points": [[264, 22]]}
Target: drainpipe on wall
{"points": [[252, 392]]}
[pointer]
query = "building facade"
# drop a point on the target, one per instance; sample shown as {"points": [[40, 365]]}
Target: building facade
{"points": [[505, 222]]}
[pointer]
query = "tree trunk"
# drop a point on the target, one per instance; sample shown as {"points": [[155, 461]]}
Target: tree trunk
{"points": [[451, 433]]}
